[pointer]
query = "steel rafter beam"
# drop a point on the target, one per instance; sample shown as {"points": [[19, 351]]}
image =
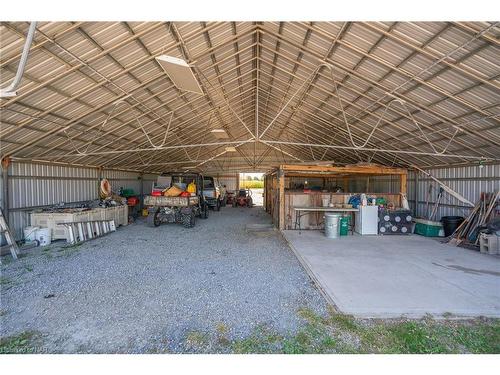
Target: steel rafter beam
{"points": [[406, 152]]}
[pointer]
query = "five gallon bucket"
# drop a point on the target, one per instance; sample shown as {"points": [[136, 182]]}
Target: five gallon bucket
{"points": [[450, 223], [30, 233], [332, 227], [44, 236]]}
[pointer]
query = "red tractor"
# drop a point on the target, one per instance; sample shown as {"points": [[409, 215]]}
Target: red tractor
{"points": [[243, 198], [230, 197]]}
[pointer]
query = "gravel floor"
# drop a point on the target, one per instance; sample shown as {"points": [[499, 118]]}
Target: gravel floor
{"points": [[147, 289]]}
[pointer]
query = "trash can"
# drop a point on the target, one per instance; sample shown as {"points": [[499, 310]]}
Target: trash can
{"points": [[450, 223], [332, 225], [344, 225]]}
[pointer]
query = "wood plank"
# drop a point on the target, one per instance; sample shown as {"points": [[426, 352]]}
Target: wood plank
{"points": [[376, 170], [403, 183], [281, 186], [325, 209]]}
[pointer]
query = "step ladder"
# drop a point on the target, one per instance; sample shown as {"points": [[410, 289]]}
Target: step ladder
{"points": [[5, 231], [82, 231]]}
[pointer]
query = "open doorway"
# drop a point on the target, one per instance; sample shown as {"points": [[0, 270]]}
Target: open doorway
{"points": [[254, 182]]}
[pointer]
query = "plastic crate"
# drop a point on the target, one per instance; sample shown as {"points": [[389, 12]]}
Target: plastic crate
{"points": [[429, 228], [52, 219], [97, 214], [121, 215]]}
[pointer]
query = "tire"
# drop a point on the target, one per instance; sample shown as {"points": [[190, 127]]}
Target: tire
{"points": [[154, 218], [188, 220], [204, 211], [249, 202], [234, 204]]}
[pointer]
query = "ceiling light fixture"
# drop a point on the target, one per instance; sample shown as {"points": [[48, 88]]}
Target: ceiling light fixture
{"points": [[180, 73], [230, 149]]}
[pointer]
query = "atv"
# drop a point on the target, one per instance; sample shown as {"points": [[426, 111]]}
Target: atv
{"points": [[181, 209], [243, 198]]}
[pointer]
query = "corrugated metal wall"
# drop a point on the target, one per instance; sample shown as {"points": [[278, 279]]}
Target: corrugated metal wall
{"points": [[34, 185], [384, 184], [37, 185], [147, 183], [468, 181], [230, 180], [1, 189], [2, 240]]}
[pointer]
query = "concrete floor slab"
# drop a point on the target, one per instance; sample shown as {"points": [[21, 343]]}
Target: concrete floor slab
{"points": [[391, 276]]}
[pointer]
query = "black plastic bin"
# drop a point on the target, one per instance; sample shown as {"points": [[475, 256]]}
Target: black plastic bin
{"points": [[450, 223]]}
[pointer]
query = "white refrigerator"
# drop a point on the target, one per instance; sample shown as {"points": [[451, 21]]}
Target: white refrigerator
{"points": [[366, 220]]}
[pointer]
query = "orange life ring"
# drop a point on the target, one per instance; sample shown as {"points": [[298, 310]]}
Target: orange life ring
{"points": [[105, 188]]}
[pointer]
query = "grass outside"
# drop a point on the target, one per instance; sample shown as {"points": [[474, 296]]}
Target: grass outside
{"points": [[333, 333], [247, 184], [24, 343], [338, 333]]}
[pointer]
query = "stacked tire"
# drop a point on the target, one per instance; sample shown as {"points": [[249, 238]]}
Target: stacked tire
{"points": [[394, 222], [188, 220]]}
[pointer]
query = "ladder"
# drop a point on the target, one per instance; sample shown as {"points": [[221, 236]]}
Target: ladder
{"points": [[4, 229], [82, 231]]}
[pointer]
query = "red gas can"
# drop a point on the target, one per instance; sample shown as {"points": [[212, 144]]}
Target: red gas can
{"points": [[132, 201]]}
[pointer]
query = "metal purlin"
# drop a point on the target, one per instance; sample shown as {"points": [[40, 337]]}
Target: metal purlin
{"points": [[100, 130], [128, 95], [446, 56], [164, 137], [397, 100]]}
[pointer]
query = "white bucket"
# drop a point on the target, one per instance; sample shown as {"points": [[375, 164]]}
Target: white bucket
{"points": [[30, 233], [44, 236]]}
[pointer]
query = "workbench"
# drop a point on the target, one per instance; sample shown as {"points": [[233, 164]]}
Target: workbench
{"points": [[302, 211]]}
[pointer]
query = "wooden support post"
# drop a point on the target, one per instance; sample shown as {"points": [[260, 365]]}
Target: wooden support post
{"points": [[281, 186], [346, 184], [5, 192], [403, 179], [415, 191], [141, 192], [266, 194]]}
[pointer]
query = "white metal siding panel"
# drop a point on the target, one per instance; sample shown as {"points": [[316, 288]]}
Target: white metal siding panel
{"points": [[128, 180], [469, 181], [34, 185], [230, 180]]}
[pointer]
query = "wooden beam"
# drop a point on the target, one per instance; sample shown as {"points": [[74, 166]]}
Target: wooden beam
{"points": [[375, 169], [281, 185], [403, 183]]}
